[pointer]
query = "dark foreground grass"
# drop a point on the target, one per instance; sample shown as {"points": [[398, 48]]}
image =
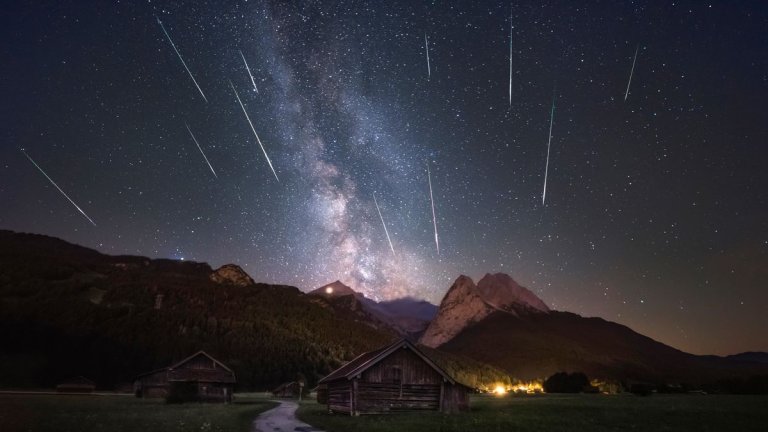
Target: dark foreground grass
{"points": [[567, 413], [48, 413]]}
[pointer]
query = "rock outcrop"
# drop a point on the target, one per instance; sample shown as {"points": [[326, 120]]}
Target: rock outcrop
{"points": [[232, 275], [466, 303]]}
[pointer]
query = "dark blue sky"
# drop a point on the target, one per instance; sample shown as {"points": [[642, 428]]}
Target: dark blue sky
{"points": [[655, 214]]}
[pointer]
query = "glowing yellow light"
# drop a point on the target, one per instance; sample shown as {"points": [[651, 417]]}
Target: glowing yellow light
{"points": [[527, 387], [329, 290], [499, 390]]}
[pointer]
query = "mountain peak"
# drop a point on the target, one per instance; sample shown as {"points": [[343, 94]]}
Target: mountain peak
{"points": [[231, 274], [466, 303], [333, 289], [501, 291]]}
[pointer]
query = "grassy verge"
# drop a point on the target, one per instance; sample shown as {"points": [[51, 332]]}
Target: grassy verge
{"points": [[566, 412], [37, 413]]}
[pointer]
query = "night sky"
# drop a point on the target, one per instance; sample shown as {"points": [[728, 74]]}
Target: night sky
{"points": [[655, 213]]}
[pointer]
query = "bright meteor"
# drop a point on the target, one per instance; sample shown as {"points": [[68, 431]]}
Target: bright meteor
{"points": [[382, 223], [631, 72], [201, 150], [57, 187], [510, 59], [249, 73], [432, 201], [426, 48], [182, 60], [549, 143], [254, 130]]}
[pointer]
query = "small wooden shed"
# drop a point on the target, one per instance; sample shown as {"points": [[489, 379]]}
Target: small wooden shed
{"points": [[398, 377], [288, 390], [79, 384], [198, 377]]}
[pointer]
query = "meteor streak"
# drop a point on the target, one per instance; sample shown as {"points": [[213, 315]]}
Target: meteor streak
{"points": [[201, 150], [254, 130], [57, 187], [249, 72], [549, 142], [510, 59], [426, 48], [432, 201], [382, 223], [630, 73], [182, 60]]}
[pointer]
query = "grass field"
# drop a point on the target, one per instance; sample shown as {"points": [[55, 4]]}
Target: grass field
{"points": [[48, 413], [567, 413]]}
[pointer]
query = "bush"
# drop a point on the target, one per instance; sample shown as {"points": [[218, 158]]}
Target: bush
{"points": [[563, 382]]}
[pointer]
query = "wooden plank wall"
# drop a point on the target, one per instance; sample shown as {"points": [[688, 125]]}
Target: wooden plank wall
{"points": [[455, 398], [340, 396], [413, 370], [380, 397]]}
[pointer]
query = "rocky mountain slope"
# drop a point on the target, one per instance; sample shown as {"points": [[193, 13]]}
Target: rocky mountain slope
{"points": [[466, 303], [507, 326]]}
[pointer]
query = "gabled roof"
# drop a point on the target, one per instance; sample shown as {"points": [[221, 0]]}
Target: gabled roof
{"points": [[174, 366], [364, 361], [177, 364]]}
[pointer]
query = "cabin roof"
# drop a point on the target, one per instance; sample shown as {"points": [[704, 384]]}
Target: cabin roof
{"points": [[180, 363], [176, 365], [364, 361]]}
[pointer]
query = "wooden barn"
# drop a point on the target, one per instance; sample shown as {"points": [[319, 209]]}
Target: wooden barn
{"points": [[288, 390], [198, 377], [78, 384], [398, 377]]}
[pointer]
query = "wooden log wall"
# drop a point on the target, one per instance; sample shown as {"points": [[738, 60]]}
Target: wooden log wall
{"points": [[340, 396], [381, 397]]}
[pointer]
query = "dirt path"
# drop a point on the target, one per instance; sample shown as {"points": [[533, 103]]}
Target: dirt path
{"points": [[281, 419]]}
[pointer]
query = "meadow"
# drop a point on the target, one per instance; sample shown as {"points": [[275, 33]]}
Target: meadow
{"points": [[566, 413], [116, 413]]}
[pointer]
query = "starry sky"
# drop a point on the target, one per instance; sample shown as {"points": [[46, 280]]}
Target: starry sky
{"points": [[655, 213]]}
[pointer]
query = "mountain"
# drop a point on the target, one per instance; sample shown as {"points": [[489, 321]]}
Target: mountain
{"points": [[66, 310], [502, 324], [405, 316], [408, 315], [466, 303]]}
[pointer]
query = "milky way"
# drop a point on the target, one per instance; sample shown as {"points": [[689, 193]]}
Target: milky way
{"points": [[655, 211]]}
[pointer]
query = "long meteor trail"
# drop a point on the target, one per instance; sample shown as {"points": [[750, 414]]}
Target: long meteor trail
{"points": [[254, 130], [201, 150], [182, 60], [549, 143], [426, 48], [510, 58], [631, 72], [382, 223], [253, 81], [432, 201], [57, 187]]}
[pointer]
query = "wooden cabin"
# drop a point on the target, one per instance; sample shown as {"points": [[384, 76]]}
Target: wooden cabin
{"points": [[397, 377], [198, 377], [290, 390], [79, 384]]}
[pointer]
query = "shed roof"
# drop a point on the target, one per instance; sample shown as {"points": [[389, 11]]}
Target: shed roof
{"points": [[176, 365], [182, 362], [364, 361]]}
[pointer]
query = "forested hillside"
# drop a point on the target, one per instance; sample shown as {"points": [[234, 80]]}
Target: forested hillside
{"points": [[66, 310]]}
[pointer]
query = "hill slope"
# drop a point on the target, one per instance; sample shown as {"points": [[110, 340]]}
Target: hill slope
{"points": [[66, 310]]}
